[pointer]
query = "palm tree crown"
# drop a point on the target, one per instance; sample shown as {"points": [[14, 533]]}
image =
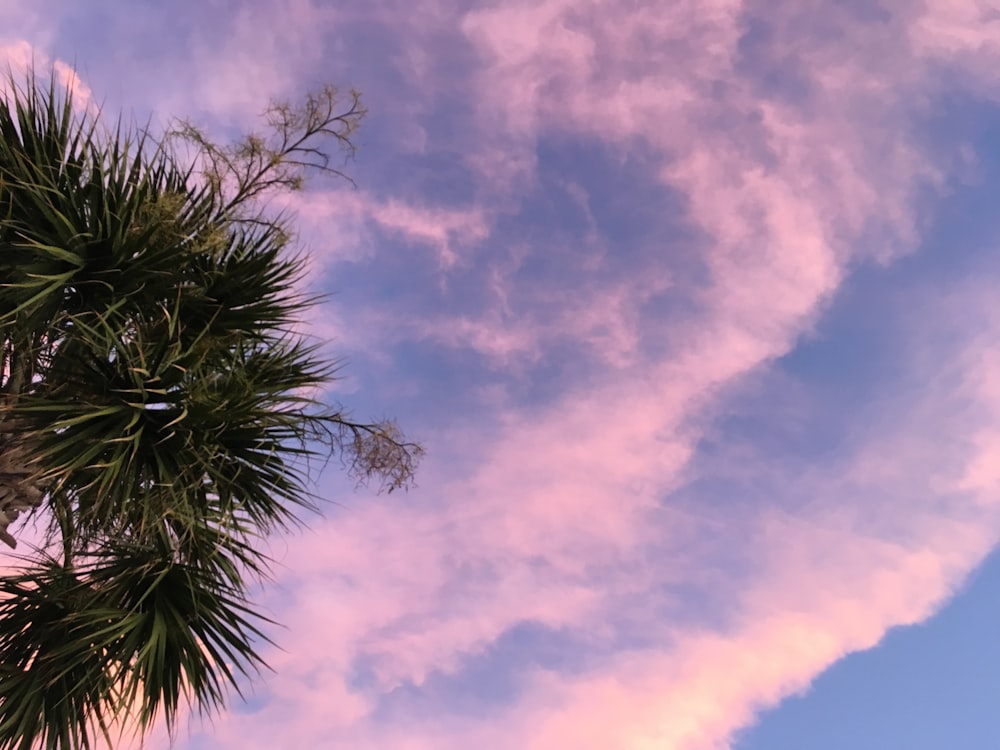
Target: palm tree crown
{"points": [[155, 407]]}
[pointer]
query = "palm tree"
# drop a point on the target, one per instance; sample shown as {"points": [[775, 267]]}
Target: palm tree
{"points": [[157, 409]]}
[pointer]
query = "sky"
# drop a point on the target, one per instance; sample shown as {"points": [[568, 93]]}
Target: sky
{"points": [[692, 304]]}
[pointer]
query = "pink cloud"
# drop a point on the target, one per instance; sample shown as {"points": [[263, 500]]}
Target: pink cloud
{"points": [[18, 54], [21, 57], [825, 593], [964, 34], [447, 231], [602, 317]]}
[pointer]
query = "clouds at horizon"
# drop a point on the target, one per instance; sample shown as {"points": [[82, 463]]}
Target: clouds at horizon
{"points": [[593, 257]]}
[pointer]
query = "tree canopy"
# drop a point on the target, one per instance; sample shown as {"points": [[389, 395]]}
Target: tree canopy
{"points": [[159, 411]]}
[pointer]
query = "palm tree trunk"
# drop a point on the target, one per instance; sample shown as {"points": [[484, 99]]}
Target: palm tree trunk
{"points": [[20, 489]]}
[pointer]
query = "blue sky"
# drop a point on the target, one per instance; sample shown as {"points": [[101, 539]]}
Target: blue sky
{"points": [[693, 305]]}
